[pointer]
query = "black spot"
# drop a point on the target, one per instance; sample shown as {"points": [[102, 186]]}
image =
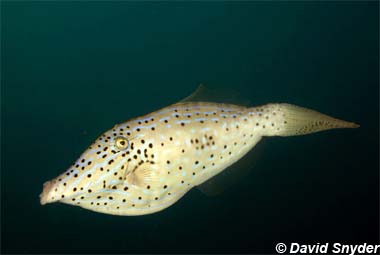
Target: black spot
{"points": [[110, 198], [89, 175]]}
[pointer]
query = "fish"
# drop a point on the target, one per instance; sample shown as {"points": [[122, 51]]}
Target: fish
{"points": [[148, 163]]}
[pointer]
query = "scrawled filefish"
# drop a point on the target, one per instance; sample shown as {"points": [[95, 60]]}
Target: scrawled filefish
{"points": [[148, 163]]}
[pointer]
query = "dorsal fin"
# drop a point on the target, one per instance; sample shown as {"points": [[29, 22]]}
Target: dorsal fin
{"points": [[226, 96]]}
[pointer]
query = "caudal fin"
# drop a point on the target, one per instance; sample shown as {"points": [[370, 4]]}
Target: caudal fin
{"points": [[301, 121], [291, 120]]}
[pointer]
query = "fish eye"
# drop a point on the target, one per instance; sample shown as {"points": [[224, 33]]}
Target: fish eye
{"points": [[121, 143]]}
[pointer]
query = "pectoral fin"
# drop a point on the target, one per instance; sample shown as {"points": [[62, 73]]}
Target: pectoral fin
{"points": [[143, 176]]}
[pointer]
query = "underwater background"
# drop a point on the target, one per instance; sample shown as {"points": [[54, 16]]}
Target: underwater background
{"points": [[70, 71]]}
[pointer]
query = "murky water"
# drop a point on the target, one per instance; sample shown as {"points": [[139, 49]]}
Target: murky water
{"points": [[70, 71]]}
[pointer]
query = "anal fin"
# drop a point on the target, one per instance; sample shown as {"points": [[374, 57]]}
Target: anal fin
{"points": [[232, 174]]}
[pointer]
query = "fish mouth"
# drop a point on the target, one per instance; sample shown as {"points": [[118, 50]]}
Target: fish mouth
{"points": [[44, 196]]}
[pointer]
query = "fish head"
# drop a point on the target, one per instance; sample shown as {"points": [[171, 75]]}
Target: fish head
{"points": [[102, 165]]}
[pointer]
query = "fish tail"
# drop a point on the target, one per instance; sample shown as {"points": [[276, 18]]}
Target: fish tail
{"points": [[291, 120]]}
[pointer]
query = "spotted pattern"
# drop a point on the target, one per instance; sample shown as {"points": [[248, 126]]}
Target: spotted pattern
{"points": [[146, 164]]}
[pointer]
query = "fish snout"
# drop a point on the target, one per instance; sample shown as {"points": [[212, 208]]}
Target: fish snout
{"points": [[46, 196]]}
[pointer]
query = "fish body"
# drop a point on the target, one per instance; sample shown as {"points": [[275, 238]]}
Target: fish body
{"points": [[148, 163]]}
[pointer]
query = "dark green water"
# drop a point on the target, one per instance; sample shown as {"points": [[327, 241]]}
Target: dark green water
{"points": [[70, 71]]}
